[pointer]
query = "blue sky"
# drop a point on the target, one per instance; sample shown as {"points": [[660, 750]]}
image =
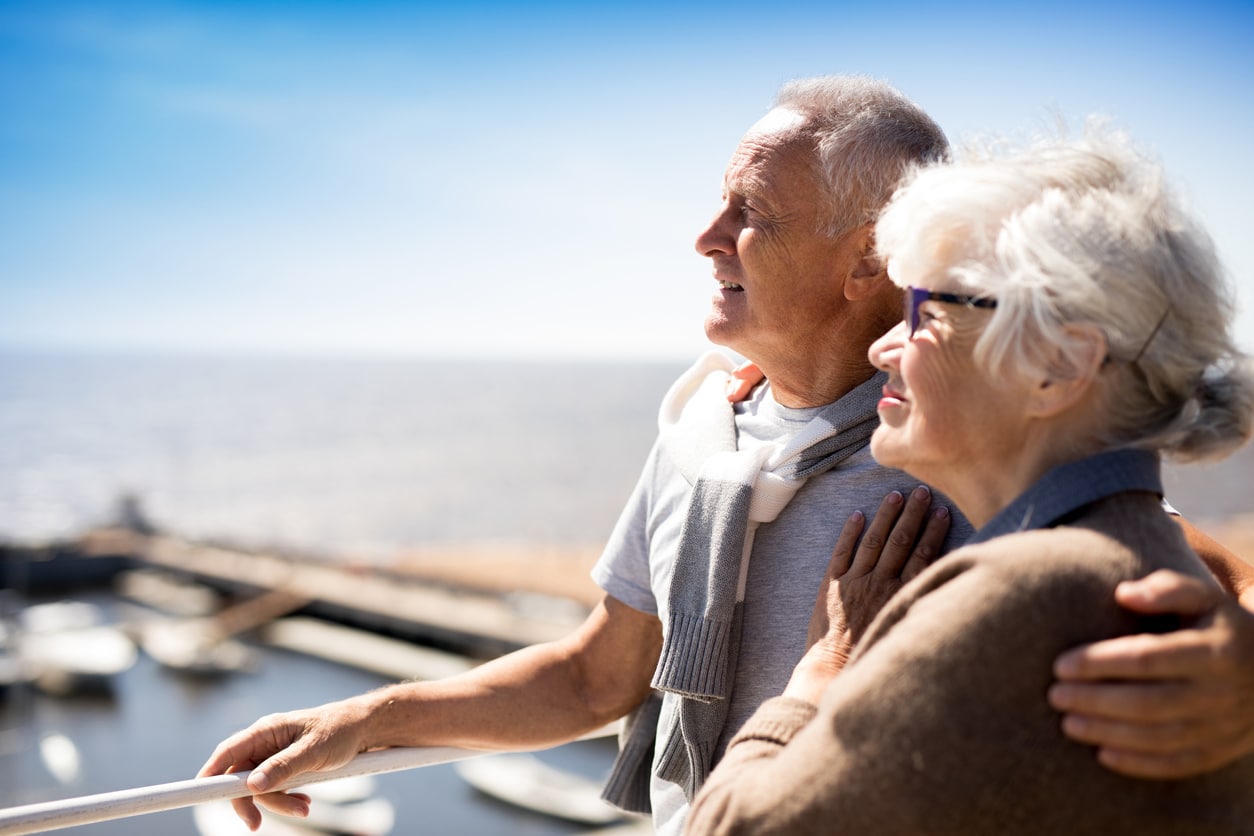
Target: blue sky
{"points": [[490, 178]]}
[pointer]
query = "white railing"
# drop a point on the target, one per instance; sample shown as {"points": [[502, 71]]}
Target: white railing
{"points": [[88, 809]]}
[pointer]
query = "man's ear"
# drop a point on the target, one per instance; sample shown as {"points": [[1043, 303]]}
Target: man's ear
{"points": [[867, 275], [1072, 372]]}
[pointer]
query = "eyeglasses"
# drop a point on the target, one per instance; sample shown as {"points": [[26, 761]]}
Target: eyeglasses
{"points": [[916, 296]]}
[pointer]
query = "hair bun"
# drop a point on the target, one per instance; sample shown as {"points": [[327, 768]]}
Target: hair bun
{"points": [[1220, 415]]}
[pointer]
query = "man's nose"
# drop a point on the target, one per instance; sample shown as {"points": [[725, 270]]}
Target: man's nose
{"points": [[717, 237]]}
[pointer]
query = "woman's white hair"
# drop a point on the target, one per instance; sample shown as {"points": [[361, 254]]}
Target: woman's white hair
{"points": [[1085, 231]]}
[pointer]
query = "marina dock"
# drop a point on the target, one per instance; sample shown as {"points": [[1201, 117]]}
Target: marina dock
{"points": [[465, 621]]}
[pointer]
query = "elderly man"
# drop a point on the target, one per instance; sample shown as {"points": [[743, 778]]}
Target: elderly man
{"points": [[711, 572]]}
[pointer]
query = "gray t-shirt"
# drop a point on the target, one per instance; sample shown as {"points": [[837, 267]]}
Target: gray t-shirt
{"points": [[789, 558]]}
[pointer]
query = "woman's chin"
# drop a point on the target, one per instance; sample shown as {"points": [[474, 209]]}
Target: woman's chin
{"points": [[887, 449], [895, 453]]}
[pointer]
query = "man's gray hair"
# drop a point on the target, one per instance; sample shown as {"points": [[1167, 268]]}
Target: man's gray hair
{"points": [[1067, 232], [867, 136]]}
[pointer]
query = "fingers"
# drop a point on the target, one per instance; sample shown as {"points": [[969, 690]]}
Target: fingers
{"points": [[895, 535], [1168, 766], [885, 547], [285, 803], [225, 758], [1169, 705], [240, 753], [905, 532], [842, 554], [1167, 750], [1140, 657], [247, 812], [1140, 704], [246, 749], [1165, 731], [875, 544], [930, 544], [1165, 591], [279, 768], [1165, 738]]}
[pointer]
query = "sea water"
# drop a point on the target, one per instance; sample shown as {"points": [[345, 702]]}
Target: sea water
{"points": [[355, 457], [344, 457]]}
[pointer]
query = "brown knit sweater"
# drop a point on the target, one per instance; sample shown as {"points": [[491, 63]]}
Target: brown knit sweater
{"points": [[939, 724]]}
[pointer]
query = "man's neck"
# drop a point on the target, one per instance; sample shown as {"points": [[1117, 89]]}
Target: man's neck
{"points": [[799, 385]]}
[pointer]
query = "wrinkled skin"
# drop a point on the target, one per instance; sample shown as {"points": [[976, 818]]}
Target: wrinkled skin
{"points": [[866, 570]]}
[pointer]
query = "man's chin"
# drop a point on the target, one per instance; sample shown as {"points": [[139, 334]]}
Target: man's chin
{"points": [[721, 332]]}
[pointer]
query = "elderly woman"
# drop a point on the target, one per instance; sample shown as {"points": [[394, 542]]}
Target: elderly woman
{"points": [[1065, 324]]}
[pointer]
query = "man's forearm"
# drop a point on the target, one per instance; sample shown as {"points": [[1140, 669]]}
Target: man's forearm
{"points": [[1233, 573], [538, 696], [524, 700]]}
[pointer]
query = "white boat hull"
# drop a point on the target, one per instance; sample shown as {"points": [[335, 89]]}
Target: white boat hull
{"points": [[528, 782]]}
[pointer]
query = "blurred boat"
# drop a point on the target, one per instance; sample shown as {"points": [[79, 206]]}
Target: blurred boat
{"points": [[203, 646], [167, 593], [65, 648], [344, 806], [528, 782], [190, 648], [58, 616]]}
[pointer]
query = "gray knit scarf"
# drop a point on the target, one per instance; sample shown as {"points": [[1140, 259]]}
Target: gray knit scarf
{"points": [[733, 493]]}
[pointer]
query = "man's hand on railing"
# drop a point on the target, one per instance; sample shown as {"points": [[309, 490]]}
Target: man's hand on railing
{"points": [[279, 747], [533, 698], [44, 816]]}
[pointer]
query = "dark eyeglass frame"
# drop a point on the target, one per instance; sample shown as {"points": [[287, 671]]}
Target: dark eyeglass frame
{"points": [[916, 296]]}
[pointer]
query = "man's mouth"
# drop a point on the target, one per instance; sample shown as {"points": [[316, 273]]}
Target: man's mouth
{"points": [[729, 285]]}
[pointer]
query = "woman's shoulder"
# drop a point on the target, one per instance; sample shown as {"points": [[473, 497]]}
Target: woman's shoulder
{"points": [[1037, 577], [1122, 537], [1027, 557], [1013, 602], [1061, 547]]}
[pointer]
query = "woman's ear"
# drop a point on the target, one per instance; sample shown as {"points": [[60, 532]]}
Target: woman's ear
{"points": [[1072, 371]]}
